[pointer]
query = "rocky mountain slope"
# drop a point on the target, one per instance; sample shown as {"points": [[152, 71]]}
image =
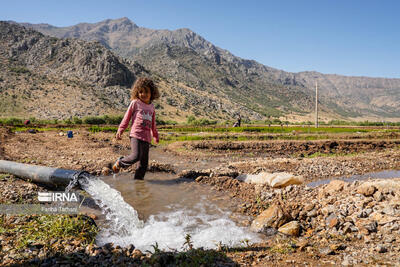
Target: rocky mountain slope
{"points": [[47, 77], [204, 80], [185, 56]]}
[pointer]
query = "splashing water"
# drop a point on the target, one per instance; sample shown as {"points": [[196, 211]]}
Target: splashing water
{"points": [[121, 217], [168, 229]]}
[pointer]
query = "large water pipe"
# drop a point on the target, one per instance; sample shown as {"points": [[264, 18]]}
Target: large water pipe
{"points": [[45, 175]]}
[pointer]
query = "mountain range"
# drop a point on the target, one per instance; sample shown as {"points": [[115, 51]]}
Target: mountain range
{"points": [[199, 78]]}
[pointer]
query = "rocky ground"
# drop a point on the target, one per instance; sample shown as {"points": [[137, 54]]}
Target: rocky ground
{"points": [[340, 223]]}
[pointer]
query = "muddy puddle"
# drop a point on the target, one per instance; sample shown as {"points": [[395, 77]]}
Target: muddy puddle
{"points": [[163, 210], [388, 174]]}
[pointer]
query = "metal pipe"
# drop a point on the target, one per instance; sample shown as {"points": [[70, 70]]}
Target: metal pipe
{"points": [[42, 174]]}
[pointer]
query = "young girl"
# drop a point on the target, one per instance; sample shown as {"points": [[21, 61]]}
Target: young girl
{"points": [[142, 114]]}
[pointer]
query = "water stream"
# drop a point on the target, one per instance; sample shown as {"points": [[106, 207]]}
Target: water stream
{"points": [[162, 209]]}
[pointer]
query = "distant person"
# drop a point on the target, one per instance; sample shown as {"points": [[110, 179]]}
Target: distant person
{"points": [[143, 116], [27, 122], [237, 123]]}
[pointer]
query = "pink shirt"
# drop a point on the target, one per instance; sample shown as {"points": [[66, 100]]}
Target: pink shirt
{"points": [[143, 121]]}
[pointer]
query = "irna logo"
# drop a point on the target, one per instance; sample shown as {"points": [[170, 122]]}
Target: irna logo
{"points": [[58, 197]]}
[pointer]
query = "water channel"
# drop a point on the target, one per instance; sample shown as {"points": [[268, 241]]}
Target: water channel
{"points": [[163, 209]]}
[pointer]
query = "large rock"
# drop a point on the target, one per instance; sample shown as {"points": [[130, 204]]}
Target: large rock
{"points": [[273, 217], [275, 180], [291, 228], [335, 186], [366, 189]]}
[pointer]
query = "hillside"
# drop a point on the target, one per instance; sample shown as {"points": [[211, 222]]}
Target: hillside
{"points": [[47, 77], [187, 57]]}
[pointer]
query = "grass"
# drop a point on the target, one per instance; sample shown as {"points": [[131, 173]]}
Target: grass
{"points": [[40, 129], [42, 229], [106, 129], [189, 257], [284, 248], [4, 176], [272, 129], [319, 154], [185, 136]]}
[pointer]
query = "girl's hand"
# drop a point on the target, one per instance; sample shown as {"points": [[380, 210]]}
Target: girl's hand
{"points": [[156, 140], [118, 135]]}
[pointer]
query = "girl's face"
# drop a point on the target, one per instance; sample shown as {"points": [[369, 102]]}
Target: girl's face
{"points": [[145, 95]]}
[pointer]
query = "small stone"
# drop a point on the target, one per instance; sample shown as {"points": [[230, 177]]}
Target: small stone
{"points": [[89, 249], [198, 179], [332, 220], [105, 171], [368, 211], [390, 239], [347, 261], [378, 196], [310, 249], [292, 228], [95, 252], [312, 213], [336, 247], [381, 248], [309, 207], [328, 210], [302, 245], [137, 253], [347, 227], [371, 227], [326, 251], [389, 211]]}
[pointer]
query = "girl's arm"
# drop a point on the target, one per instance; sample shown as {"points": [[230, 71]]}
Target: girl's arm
{"points": [[125, 121], [154, 127]]}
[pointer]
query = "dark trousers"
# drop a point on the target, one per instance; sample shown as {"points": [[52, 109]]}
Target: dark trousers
{"points": [[139, 152]]}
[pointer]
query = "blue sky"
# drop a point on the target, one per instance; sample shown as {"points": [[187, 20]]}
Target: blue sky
{"points": [[353, 37]]}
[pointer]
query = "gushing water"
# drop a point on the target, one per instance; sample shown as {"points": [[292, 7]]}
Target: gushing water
{"points": [[121, 217], [168, 228]]}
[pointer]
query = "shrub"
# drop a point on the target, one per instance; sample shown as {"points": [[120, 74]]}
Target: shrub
{"points": [[114, 120], [12, 121], [77, 120], [67, 121], [171, 122], [33, 119], [191, 119], [19, 70], [94, 120]]}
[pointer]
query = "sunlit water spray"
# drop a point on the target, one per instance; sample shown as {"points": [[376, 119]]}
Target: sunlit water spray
{"points": [[208, 225]]}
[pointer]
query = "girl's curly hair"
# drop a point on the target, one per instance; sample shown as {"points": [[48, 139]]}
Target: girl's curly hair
{"points": [[142, 83]]}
